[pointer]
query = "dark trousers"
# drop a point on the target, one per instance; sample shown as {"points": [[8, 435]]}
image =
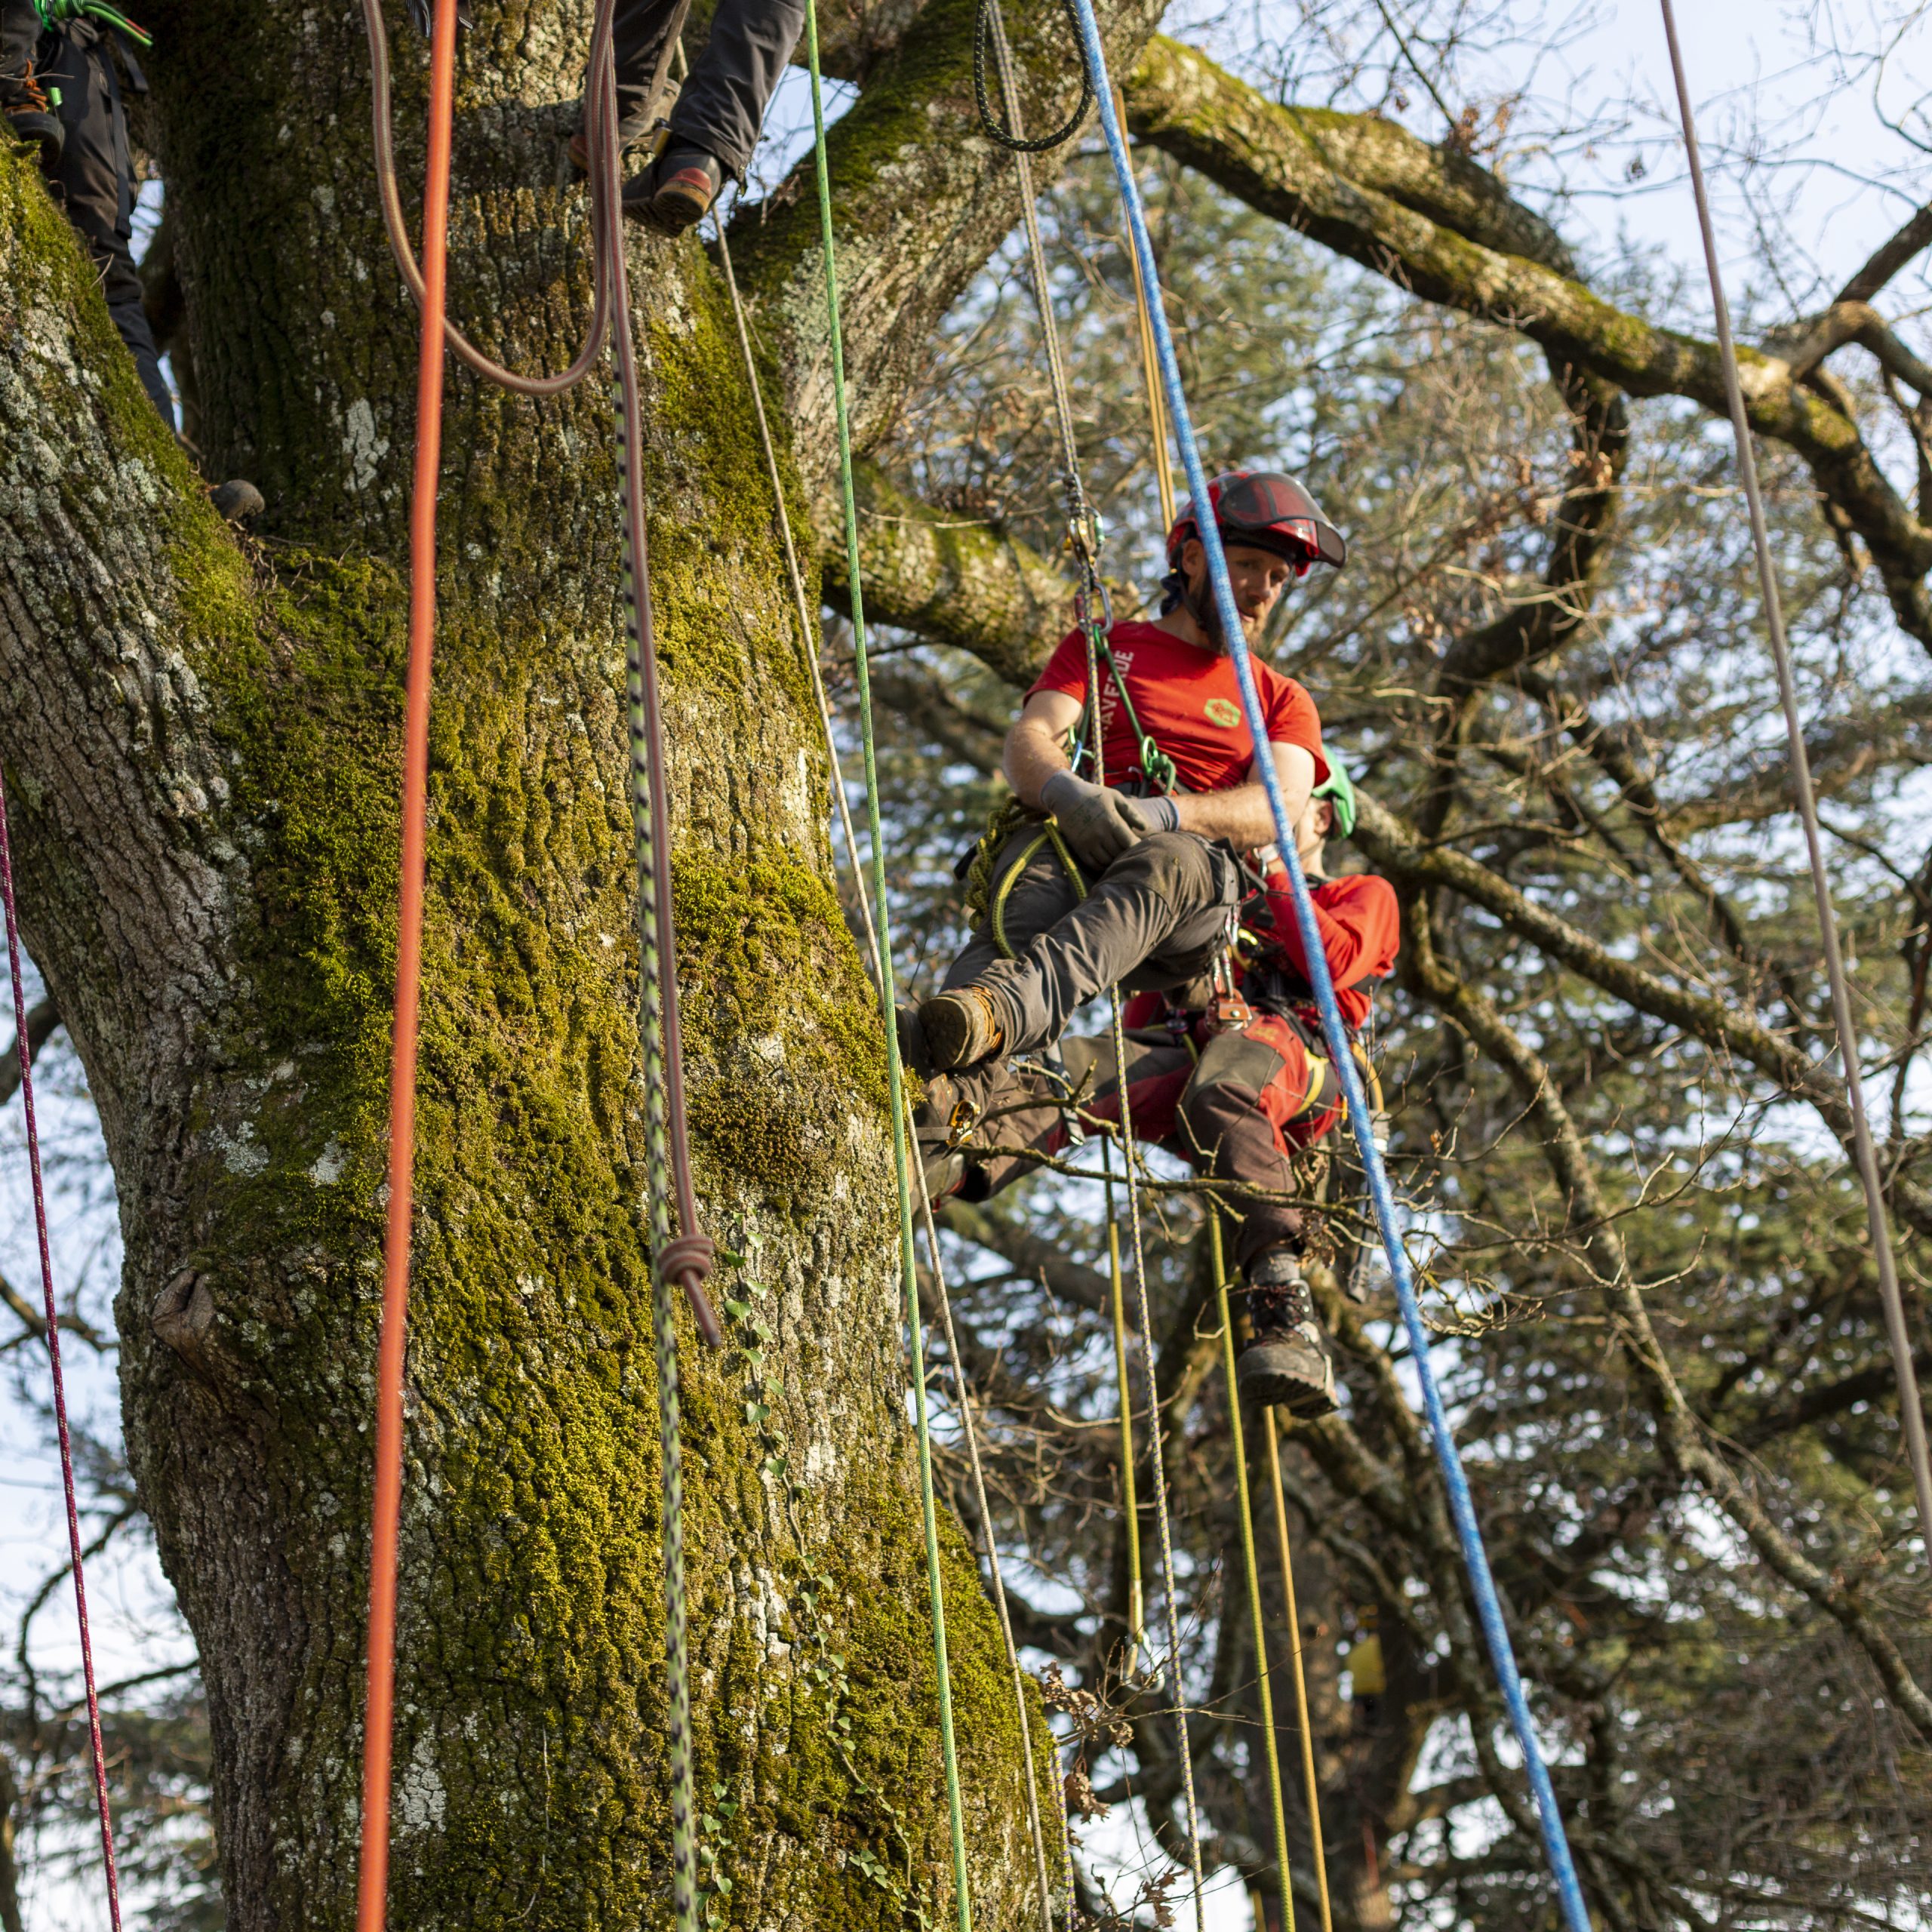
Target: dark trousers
{"points": [[94, 182], [722, 107], [1156, 917], [1238, 1107], [19, 35]]}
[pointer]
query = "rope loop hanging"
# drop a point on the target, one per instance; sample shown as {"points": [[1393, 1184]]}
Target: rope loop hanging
{"points": [[986, 34]]}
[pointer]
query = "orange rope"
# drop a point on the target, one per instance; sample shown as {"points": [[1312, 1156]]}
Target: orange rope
{"points": [[372, 1882]]}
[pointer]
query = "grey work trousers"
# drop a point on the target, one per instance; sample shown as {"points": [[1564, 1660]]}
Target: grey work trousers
{"points": [[1156, 917], [20, 29], [1216, 1107], [721, 106]]}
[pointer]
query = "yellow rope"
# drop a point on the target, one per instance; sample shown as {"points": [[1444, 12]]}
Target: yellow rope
{"points": [[1310, 1781], [1157, 404], [1254, 1566]]}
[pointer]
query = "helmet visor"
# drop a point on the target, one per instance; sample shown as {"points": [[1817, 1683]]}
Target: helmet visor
{"points": [[1263, 505]]}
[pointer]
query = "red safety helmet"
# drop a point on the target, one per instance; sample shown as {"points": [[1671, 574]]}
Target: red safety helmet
{"points": [[1268, 510]]}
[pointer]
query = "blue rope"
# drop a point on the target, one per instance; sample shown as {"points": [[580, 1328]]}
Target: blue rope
{"points": [[1489, 1608]]}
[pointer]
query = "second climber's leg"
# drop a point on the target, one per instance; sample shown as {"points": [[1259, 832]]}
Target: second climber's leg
{"points": [[1251, 1083], [93, 181], [716, 124]]}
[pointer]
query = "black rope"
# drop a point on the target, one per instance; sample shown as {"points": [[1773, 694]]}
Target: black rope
{"points": [[983, 35]]}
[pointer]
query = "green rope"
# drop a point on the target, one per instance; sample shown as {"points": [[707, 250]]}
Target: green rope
{"points": [[895, 1074], [1254, 1565], [52, 12]]}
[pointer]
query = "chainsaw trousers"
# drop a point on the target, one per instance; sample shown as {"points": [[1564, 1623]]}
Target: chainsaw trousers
{"points": [[1156, 917], [94, 182], [721, 106], [1238, 1107]]}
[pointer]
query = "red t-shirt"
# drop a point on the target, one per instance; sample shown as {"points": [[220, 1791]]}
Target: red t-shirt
{"points": [[1187, 703], [1361, 924]]}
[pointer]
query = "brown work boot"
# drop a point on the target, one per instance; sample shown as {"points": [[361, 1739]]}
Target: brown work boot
{"points": [[30, 116], [1286, 1364], [961, 1028], [676, 192]]}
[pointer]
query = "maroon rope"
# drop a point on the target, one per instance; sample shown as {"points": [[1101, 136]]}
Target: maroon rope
{"points": [[53, 1358]]}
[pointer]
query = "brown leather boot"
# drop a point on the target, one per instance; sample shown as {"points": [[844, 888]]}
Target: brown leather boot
{"points": [[961, 1028], [1286, 1364]]}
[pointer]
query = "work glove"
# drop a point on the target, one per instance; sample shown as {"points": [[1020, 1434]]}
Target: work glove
{"points": [[1100, 824]]}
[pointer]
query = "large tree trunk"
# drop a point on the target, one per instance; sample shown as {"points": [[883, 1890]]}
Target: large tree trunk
{"points": [[202, 748]]}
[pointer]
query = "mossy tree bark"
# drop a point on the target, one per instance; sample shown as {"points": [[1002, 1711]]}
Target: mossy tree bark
{"points": [[201, 746]]}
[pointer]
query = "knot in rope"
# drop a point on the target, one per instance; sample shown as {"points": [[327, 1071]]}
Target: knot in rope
{"points": [[688, 1260], [987, 33]]}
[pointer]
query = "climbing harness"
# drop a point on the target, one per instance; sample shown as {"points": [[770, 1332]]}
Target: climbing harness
{"points": [[963, 1387], [1911, 1416], [1257, 1622], [1462, 1506], [1083, 535], [23, 1044], [686, 1259], [895, 1072]]}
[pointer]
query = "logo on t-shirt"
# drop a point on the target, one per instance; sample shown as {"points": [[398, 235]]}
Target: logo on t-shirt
{"points": [[1220, 711]]}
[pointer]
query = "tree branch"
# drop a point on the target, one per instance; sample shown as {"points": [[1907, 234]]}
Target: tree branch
{"points": [[1300, 165], [42, 1018], [951, 579], [1679, 1434], [1886, 262]]}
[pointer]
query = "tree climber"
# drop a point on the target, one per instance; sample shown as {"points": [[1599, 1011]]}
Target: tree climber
{"points": [[60, 88], [59, 81], [1237, 1088], [1158, 847], [1138, 882], [720, 109]]}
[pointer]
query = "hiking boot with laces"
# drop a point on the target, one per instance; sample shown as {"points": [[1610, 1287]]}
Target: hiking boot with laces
{"points": [[676, 192], [960, 1028], [1286, 1364], [30, 116]]}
